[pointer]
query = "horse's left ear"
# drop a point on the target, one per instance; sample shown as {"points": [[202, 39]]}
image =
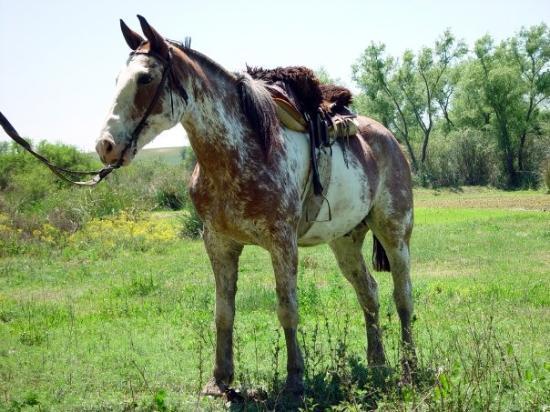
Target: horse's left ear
{"points": [[157, 42]]}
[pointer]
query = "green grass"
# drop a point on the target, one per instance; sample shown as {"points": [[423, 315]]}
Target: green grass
{"points": [[169, 155], [131, 327]]}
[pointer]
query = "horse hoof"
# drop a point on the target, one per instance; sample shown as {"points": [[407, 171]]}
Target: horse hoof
{"points": [[214, 388], [408, 367]]}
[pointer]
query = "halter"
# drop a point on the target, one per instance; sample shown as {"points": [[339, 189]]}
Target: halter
{"points": [[167, 73]]}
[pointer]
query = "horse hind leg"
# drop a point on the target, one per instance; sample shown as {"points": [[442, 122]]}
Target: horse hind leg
{"points": [[284, 257], [347, 251], [393, 232]]}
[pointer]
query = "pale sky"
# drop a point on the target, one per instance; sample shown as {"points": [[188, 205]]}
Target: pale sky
{"points": [[59, 58]]}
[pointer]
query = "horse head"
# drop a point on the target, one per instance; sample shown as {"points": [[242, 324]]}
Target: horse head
{"points": [[149, 97]]}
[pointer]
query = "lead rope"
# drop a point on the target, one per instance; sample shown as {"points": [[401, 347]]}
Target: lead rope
{"points": [[58, 171]]}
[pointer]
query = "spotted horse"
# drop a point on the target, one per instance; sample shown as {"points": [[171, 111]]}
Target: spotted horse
{"points": [[248, 188]]}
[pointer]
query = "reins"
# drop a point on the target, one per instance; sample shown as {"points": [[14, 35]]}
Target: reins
{"points": [[101, 174], [57, 170]]}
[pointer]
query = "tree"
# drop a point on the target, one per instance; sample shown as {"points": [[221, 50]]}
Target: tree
{"points": [[418, 89], [325, 78], [381, 97], [531, 51], [507, 85]]}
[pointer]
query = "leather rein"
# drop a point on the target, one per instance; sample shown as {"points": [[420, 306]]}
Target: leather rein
{"points": [[99, 175]]}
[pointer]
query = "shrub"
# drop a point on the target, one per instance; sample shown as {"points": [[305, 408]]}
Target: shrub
{"points": [[545, 172], [32, 197], [189, 160], [463, 157], [192, 227], [536, 161], [171, 189]]}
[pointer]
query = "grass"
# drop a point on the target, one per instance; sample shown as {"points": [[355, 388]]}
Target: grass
{"points": [[478, 197], [166, 155], [169, 155], [130, 326]]}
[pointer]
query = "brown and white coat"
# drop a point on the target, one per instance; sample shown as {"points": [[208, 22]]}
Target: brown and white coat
{"points": [[247, 188]]}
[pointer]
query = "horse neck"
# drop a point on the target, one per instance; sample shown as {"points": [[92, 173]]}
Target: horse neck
{"points": [[214, 120]]}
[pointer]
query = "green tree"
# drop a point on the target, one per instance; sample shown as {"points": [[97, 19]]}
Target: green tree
{"points": [[381, 97], [325, 78], [504, 88], [531, 51], [411, 94]]}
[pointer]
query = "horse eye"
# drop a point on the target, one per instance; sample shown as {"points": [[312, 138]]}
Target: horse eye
{"points": [[145, 79]]}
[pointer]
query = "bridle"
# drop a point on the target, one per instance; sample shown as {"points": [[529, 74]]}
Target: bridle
{"points": [[167, 75]]}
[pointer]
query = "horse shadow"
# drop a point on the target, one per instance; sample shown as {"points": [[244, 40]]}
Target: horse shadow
{"points": [[353, 384]]}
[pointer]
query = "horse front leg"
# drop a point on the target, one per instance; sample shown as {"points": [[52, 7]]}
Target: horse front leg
{"points": [[285, 265], [224, 257]]}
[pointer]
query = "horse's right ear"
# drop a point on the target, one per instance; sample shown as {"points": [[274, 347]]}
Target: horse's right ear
{"points": [[132, 38]]}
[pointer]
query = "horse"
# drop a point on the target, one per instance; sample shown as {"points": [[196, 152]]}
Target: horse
{"points": [[248, 183]]}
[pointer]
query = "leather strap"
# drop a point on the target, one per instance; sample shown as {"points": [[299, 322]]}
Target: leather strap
{"points": [[59, 171], [312, 202]]}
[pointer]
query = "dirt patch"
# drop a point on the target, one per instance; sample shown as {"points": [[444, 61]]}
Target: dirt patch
{"points": [[483, 198]]}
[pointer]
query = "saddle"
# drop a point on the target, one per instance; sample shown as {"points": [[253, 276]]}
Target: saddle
{"points": [[299, 98], [305, 105]]}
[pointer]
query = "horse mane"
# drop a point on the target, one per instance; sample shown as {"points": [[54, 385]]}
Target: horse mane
{"points": [[255, 100], [203, 60], [259, 109]]}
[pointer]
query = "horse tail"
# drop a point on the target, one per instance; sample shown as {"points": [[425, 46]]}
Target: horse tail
{"points": [[380, 260]]}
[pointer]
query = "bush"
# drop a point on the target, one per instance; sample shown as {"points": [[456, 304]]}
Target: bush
{"points": [[188, 158], [32, 197], [463, 157], [192, 226], [545, 172], [536, 160], [172, 188]]}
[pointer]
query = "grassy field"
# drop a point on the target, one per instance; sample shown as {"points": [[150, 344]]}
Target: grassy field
{"points": [[170, 155], [121, 317]]}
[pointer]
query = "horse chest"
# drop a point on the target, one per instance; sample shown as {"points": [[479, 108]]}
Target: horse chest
{"points": [[245, 212]]}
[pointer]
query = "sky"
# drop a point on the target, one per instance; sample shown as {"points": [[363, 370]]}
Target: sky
{"points": [[60, 58]]}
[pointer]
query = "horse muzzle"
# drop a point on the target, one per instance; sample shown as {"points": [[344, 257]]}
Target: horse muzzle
{"points": [[110, 152]]}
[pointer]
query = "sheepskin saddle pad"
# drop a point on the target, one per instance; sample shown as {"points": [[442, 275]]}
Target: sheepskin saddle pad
{"points": [[298, 94]]}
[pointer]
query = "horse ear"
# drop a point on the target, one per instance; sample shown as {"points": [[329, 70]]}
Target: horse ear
{"points": [[155, 39], [132, 38]]}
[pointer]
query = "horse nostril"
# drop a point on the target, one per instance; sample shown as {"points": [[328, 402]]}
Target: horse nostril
{"points": [[107, 146]]}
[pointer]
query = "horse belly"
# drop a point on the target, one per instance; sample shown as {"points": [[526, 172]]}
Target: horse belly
{"points": [[350, 199]]}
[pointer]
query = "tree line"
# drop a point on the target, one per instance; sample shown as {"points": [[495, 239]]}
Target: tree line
{"points": [[465, 116]]}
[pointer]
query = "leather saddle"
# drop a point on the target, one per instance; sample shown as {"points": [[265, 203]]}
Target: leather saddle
{"points": [[341, 121]]}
